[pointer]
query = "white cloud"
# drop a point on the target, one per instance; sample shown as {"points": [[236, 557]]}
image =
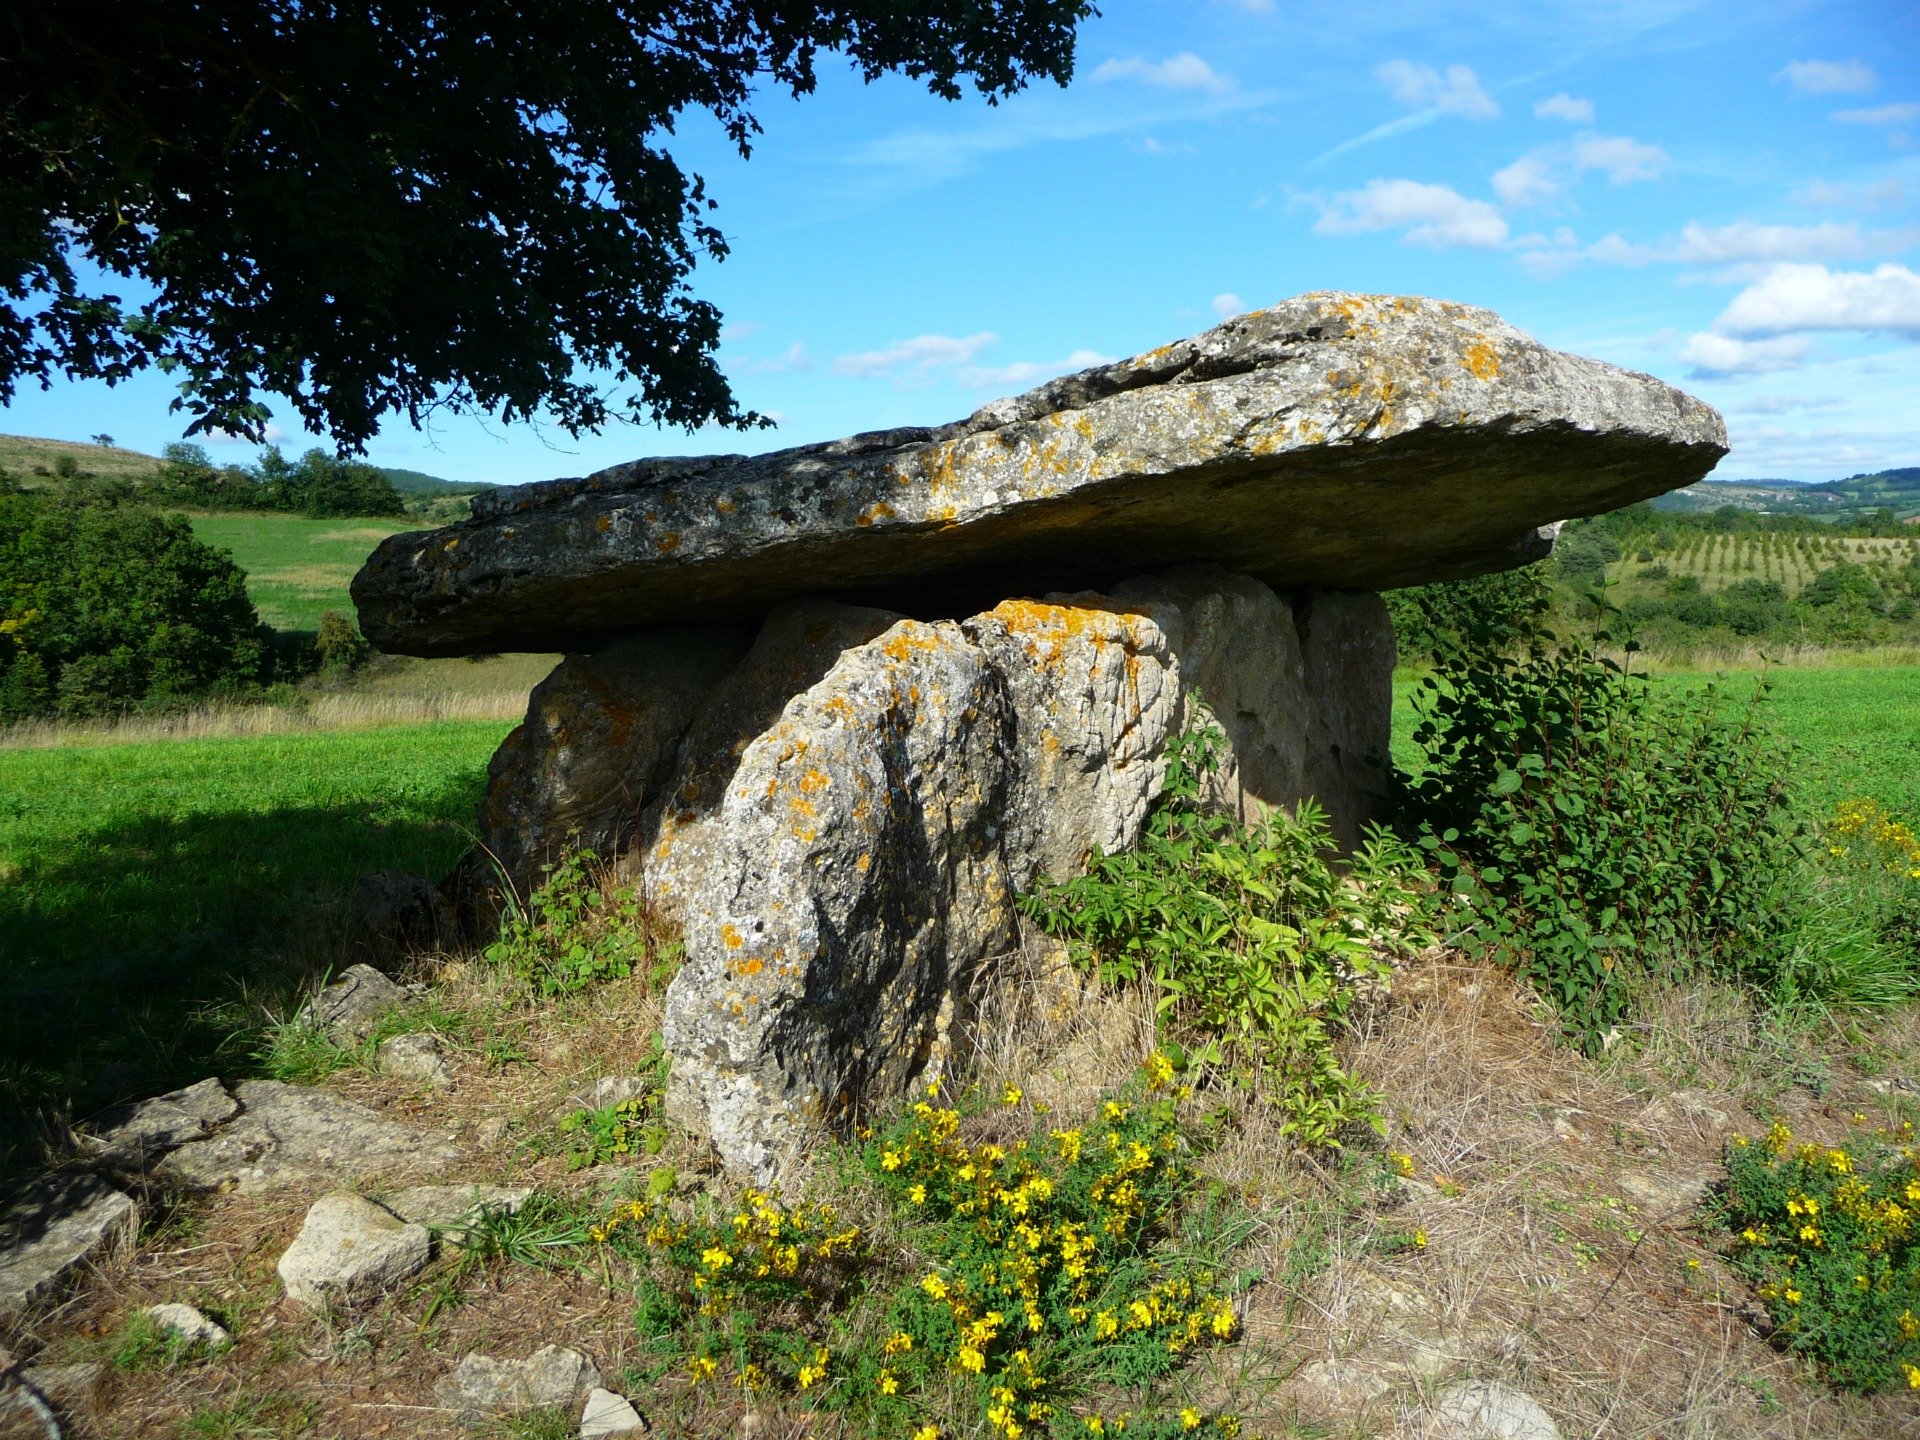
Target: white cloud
{"points": [[739, 329], [274, 435], [794, 357], [1432, 215], [1624, 159], [1564, 107], [1024, 373], [1744, 242], [1829, 77], [1792, 298], [1712, 354], [1885, 194], [1226, 305], [1457, 92], [915, 358], [1185, 71], [1527, 181], [1893, 117]]}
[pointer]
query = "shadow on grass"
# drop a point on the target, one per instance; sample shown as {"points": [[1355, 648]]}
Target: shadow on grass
{"points": [[142, 956]]}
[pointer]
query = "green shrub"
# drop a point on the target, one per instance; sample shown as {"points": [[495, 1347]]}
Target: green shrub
{"points": [[1255, 944], [1826, 1235], [105, 607], [571, 934], [1497, 609], [1593, 833]]}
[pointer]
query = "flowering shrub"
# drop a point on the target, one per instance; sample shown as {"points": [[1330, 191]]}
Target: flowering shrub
{"points": [[1827, 1237], [1035, 1277], [1882, 855]]}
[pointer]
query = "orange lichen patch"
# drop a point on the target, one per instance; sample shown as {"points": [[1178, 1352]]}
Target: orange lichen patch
{"points": [[800, 805], [752, 965], [879, 510], [731, 938], [1482, 360], [814, 781], [864, 863], [451, 542], [837, 705], [725, 506], [668, 542], [943, 513], [902, 644], [603, 524]]}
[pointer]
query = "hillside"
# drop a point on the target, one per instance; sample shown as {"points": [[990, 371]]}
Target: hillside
{"points": [[28, 458], [1897, 490]]}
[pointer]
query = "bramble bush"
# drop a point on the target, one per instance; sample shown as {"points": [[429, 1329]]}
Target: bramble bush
{"points": [[1044, 1272], [1257, 946], [1592, 833], [1826, 1236]]}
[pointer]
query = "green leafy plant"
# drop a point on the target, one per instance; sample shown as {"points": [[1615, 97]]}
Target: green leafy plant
{"points": [[1826, 1236], [614, 1132], [572, 933], [1256, 944], [1592, 832]]}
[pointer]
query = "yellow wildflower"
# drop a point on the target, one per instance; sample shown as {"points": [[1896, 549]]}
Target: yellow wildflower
{"points": [[1012, 1095], [1189, 1419], [888, 1384]]}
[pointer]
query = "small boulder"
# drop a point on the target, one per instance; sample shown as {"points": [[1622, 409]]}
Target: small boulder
{"points": [[450, 1209], [349, 1008], [1488, 1410], [291, 1134], [190, 1325], [482, 1386], [421, 1058], [50, 1228], [349, 1250], [610, 1417], [134, 1136]]}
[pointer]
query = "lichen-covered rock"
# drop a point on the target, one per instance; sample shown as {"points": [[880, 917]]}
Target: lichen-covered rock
{"points": [[50, 1227], [482, 1386], [133, 1137], [1348, 441], [349, 1251], [291, 1134], [859, 880], [348, 1009]]}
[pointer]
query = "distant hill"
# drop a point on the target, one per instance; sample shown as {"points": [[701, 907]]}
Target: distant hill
{"points": [[28, 458], [416, 482], [1897, 490]]}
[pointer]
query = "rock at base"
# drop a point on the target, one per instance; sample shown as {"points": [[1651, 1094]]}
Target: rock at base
{"points": [[483, 1386], [610, 1417], [189, 1324], [349, 1008], [51, 1227], [1488, 1410], [67, 1390], [287, 1134], [395, 914], [135, 1136], [350, 1251], [421, 1058]]}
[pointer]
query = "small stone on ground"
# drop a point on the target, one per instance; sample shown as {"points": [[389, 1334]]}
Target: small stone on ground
{"points": [[349, 1008], [50, 1228], [607, 1090], [349, 1251], [609, 1417], [189, 1324], [481, 1386], [1488, 1410], [421, 1058], [66, 1389]]}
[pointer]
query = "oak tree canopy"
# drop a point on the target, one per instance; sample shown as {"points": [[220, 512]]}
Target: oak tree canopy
{"points": [[387, 206]]}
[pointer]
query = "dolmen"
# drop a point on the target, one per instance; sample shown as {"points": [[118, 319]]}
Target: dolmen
{"points": [[835, 707]]}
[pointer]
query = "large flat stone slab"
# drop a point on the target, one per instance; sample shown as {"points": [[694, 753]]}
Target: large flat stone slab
{"points": [[52, 1226], [1356, 442], [289, 1134]]}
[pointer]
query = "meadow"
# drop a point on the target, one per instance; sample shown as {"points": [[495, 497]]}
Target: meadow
{"points": [[297, 568]]}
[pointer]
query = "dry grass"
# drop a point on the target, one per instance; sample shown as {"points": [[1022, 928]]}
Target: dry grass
{"points": [[348, 711]]}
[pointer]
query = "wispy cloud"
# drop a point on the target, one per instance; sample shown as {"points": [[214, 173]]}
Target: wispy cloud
{"points": [[1722, 355], [1541, 175], [1436, 216], [1623, 158], [916, 359], [1885, 194], [1744, 242], [1185, 71], [794, 357], [1226, 305], [1564, 107], [1023, 374], [1830, 77], [1456, 92]]}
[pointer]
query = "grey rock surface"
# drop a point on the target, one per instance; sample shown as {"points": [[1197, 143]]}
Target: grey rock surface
{"points": [[419, 1057], [841, 877], [449, 1210], [1355, 442], [134, 1136], [609, 1416], [349, 1008], [482, 1386], [49, 1228], [1489, 1410], [288, 1134], [349, 1251], [395, 914], [189, 1324], [67, 1390], [1348, 651]]}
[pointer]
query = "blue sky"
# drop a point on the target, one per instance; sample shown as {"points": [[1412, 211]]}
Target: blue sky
{"points": [[1726, 195]]}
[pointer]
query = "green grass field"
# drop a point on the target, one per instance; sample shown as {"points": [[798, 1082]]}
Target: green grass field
{"points": [[297, 568], [149, 892]]}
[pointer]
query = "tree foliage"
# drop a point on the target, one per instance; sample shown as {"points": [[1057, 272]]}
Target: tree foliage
{"points": [[375, 209], [316, 484], [105, 607]]}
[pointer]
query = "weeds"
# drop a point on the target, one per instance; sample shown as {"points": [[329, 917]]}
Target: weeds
{"points": [[1256, 946], [140, 1344], [572, 933]]}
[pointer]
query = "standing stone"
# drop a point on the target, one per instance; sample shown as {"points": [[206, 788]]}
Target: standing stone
{"points": [[350, 1251], [1348, 650], [50, 1228]]}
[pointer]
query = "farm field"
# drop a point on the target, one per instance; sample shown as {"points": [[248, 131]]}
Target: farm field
{"points": [[297, 568], [1791, 561], [147, 891]]}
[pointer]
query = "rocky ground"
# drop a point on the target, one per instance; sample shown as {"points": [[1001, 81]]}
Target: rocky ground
{"points": [[1524, 1257]]}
